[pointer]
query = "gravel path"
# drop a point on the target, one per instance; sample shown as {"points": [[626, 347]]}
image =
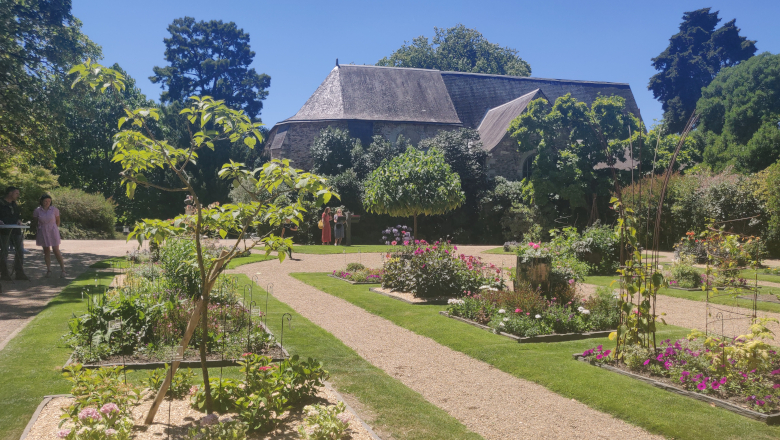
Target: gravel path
{"points": [[466, 388], [20, 301]]}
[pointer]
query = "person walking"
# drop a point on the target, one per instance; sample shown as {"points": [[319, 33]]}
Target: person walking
{"points": [[326, 219], [9, 215], [47, 221], [340, 221]]}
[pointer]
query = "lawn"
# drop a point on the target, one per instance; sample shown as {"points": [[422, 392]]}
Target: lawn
{"points": [[499, 251], [697, 295], [551, 365], [32, 363], [254, 258], [354, 249]]}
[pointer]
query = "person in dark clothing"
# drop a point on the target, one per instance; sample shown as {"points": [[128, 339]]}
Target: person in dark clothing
{"points": [[9, 215], [289, 228]]}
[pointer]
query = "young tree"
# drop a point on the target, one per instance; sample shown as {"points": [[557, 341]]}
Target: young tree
{"points": [[139, 151], [211, 58], [572, 144], [694, 57], [411, 184], [458, 49], [740, 112]]}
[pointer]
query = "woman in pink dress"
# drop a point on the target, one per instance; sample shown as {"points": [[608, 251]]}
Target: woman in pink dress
{"points": [[47, 218]]}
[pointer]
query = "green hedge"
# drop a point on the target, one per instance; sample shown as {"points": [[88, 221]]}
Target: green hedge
{"points": [[84, 215]]}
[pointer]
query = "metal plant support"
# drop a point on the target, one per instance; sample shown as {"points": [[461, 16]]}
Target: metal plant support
{"points": [[289, 326]]}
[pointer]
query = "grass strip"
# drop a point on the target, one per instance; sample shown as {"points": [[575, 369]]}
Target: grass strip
{"points": [[698, 295], [498, 250], [254, 258], [394, 408], [330, 249], [31, 362], [551, 365]]}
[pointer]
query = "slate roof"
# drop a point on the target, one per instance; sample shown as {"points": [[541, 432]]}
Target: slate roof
{"points": [[473, 94], [496, 121], [380, 94]]}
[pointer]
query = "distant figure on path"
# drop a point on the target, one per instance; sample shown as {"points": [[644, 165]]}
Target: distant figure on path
{"points": [[9, 215], [47, 220], [326, 219], [340, 221]]}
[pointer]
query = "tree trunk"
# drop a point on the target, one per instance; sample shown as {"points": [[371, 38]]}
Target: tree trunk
{"points": [[204, 328], [415, 228]]}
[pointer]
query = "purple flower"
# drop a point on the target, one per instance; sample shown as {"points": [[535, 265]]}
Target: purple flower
{"points": [[760, 402], [647, 362], [723, 380], [701, 386], [63, 433], [667, 365]]}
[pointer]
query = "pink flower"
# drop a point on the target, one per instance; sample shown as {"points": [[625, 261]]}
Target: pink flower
{"points": [[264, 368], [193, 390], [109, 408], [89, 413], [528, 314], [518, 311], [455, 248], [110, 432], [63, 433], [394, 242], [646, 362], [701, 386], [571, 281], [723, 380]]}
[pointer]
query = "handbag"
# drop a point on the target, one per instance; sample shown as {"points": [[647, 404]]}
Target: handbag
{"points": [[319, 224]]}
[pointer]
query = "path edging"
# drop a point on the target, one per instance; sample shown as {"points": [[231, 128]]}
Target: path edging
{"points": [[769, 419], [563, 337], [371, 432], [435, 302], [37, 413]]}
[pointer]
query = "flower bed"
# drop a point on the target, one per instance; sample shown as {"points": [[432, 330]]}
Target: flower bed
{"points": [[745, 372], [434, 270], [526, 313], [360, 276], [144, 318]]}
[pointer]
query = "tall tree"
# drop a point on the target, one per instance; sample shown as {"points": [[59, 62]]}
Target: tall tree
{"points": [[572, 143], [211, 58], [740, 112], [458, 49], [39, 41], [693, 58]]}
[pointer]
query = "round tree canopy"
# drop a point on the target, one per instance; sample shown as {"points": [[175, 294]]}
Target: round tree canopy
{"points": [[413, 183]]}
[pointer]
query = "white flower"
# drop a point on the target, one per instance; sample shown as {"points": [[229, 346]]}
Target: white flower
{"points": [[580, 309], [538, 316], [501, 324], [484, 287], [455, 301], [586, 312], [506, 319], [501, 311]]}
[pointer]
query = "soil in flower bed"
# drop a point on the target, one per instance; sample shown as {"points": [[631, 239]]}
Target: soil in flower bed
{"points": [[183, 417], [408, 297]]}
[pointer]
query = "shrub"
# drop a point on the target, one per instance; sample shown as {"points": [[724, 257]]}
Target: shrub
{"points": [[598, 247], [324, 422], [435, 270], [352, 267], [32, 183], [85, 215], [211, 427], [361, 276], [177, 258], [685, 275]]}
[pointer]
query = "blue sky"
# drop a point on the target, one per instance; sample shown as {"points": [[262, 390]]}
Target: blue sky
{"points": [[297, 42]]}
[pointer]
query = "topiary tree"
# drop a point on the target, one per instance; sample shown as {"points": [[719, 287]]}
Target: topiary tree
{"points": [[411, 184], [139, 152]]}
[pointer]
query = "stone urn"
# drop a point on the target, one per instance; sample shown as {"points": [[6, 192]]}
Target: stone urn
{"points": [[535, 271]]}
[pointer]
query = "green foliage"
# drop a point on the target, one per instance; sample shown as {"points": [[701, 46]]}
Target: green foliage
{"points": [[211, 58], [98, 387], [212, 428], [178, 261], [411, 184], [324, 422], [266, 391], [40, 40], [32, 181], [368, 159], [89, 212], [685, 276], [694, 56], [740, 111], [436, 270], [661, 146], [180, 385], [331, 151], [771, 193], [362, 275], [355, 266], [570, 140], [458, 49]]}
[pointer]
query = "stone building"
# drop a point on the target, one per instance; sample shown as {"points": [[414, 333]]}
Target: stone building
{"points": [[419, 103]]}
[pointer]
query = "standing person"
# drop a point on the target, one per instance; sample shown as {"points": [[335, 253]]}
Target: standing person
{"points": [[9, 215], [47, 221], [290, 229], [340, 221], [326, 218]]}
